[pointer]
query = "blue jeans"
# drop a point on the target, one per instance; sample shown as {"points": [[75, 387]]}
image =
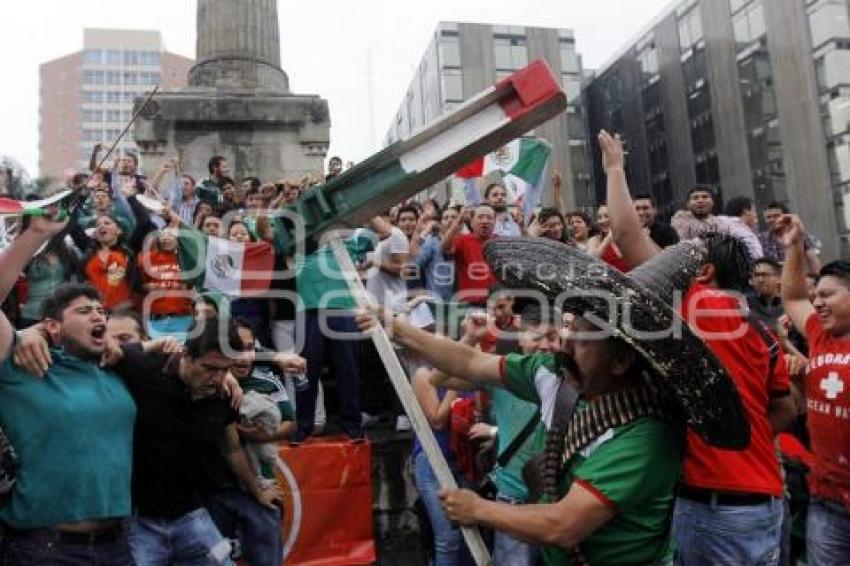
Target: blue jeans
{"points": [[827, 533], [189, 539], [448, 541], [46, 547], [237, 513], [510, 551], [720, 534], [177, 326], [343, 357]]}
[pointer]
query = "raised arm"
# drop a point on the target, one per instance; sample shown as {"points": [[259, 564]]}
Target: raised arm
{"points": [[453, 230], [633, 241], [12, 263], [795, 295], [447, 356], [558, 196], [95, 151], [813, 262]]}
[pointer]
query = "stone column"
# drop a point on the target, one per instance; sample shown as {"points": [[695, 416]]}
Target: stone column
{"points": [[238, 46]]}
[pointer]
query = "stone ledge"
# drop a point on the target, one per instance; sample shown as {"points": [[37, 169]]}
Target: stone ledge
{"points": [[209, 105]]}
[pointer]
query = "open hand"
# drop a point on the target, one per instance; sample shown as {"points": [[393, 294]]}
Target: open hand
{"points": [[165, 345], [613, 157], [48, 225], [231, 389], [557, 178], [32, 352], [790, 229], [270, 497], [253, 432], [481, 431]]}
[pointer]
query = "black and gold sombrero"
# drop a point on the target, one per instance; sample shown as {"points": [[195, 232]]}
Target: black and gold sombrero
{"points": [[639, 309]]}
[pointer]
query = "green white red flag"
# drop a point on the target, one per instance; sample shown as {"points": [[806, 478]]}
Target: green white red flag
{"points": [[523, 158], [236, 268]]}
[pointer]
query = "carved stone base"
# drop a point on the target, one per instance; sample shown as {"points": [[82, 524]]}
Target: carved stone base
{"points": [[260, 132]]}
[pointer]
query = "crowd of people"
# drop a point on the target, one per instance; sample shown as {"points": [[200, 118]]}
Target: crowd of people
{"points": [[607, 388]]}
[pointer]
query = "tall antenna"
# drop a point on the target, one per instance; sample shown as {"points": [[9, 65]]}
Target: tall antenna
{"points": [[370, 93]]}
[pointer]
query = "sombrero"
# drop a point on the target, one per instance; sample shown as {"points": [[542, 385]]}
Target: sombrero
{"points": [[639, 309]]}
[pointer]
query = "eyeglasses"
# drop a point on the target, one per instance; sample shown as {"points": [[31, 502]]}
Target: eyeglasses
{"points": [[764, 275]]}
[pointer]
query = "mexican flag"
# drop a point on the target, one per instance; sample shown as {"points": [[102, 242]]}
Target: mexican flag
{"points": [[34, 207], [523, 162], [523, 158], [236, 268]]}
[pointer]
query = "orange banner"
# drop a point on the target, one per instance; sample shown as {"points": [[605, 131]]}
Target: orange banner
{"points": [[328, 506]]}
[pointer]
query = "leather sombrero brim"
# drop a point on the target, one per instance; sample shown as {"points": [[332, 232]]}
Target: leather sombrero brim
{"points": [[581, 284]]}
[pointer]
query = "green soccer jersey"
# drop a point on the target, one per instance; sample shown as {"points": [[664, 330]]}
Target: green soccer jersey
{"points": [[266, 378], [320, 282], [632, 469]]}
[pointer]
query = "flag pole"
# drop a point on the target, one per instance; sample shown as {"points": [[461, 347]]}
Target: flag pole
{"points": [[408, 400], [128, 126]]}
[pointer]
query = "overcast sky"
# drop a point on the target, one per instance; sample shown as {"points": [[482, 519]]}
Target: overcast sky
{"points": [[325, 44]]}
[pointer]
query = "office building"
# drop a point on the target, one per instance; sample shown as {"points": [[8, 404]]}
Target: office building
{"points": [[749, 97], [87, 97], [463, 59]]}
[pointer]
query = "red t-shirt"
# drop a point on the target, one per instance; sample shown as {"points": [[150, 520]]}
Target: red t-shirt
{"points": [[110, 277], [828, 415], [473, 277], [742, 350], [614, 259], [161, 272]]}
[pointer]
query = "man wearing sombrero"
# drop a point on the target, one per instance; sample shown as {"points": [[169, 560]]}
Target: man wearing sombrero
{"points": [[729, 507], [640, 373]]}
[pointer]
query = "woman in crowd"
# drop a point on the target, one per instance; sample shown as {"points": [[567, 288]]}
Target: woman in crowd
{"points": [[108, 263], [169, 312], [580, 228], [550, 224], [449, 549], [602, 245]]}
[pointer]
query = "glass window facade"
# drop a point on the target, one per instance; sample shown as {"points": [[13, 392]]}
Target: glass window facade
{"points": [[93, 77], [701, 121], [93, 96], [829, 26], [748, 24], [92, 57], [690, 29], [829, 20], [452, 85], [449, 51], [511, 52], [569, 58], [758, 99], [92, 115]]}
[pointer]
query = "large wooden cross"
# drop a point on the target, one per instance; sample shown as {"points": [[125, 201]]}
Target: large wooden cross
{"points": [[509, 109]]}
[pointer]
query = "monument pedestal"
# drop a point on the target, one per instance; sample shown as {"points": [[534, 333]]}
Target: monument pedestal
{"points": [[261, 133], [238, 104]]}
